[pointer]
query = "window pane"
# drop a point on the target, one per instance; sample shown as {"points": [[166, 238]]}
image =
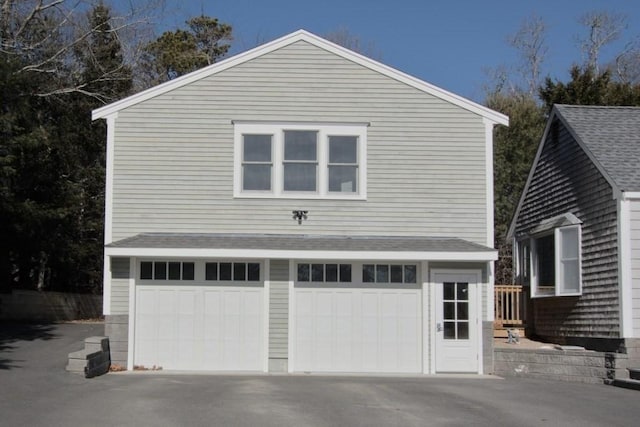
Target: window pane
{"points": [[382, 274], [225, 271], [409, 274], [174, 271], [256, 177], [396, 274], [449, 289], [343, 179], [343, 149], [303, 272], [187, 271], [449, 310], [569, 239], [463, 292], [300, 145], [571, 278], [146, 270], [257, 148], [345, 272], [211, 271], [449, 330], [317, 272], [239, 271], [160, 270], [368, 273], [463, 311], [331, 272], [545, 253], [300, 176], [463, 330], [253, 272]]}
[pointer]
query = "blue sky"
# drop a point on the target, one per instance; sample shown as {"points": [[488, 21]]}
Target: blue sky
{"points": [[449, 43]]}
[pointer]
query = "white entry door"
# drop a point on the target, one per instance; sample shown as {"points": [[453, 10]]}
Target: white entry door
{"points": [[456, 312], [199, 327], [357, 330]]}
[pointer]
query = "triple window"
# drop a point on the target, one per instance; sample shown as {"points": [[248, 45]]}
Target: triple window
{"points": [[310, 161]]}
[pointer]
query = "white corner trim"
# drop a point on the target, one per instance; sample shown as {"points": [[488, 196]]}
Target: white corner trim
{"points": [[106, 285], [302, 35], [427, 335], [292, 324], [133, 273], [625, 290], [265, 315], [488, 135], [491, 278], [108, 193]]}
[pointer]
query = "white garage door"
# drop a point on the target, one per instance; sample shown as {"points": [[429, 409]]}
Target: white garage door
{"points": [[357, 330], [199, 328]]}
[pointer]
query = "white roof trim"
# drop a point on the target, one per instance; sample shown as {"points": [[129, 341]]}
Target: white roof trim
{"points": [[483, 256], [630, 195], [301, 35]]}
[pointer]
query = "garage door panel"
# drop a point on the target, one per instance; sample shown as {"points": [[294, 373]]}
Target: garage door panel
{"points": [[208, 328], [357, 330]]}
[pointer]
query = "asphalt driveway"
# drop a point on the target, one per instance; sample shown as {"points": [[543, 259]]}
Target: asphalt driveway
{"points": [[35, 390]]}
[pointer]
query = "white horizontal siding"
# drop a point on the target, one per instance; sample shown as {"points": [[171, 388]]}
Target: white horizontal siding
{"points": [[174, 154], [120, 286], [635, 265]]}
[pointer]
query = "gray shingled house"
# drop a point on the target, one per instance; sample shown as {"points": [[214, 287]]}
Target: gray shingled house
{"points": [[299, 207], [576, 231]]}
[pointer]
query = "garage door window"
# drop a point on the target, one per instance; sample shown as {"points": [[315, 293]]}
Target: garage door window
{"points": [[232, 271], [389, 273], [328, 273], [166, 270]]}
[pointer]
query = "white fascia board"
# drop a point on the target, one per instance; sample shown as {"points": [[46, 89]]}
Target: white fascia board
{"points": [[302, 35], [298, 254]]}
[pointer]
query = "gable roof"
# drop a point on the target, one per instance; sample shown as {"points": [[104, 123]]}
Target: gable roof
{"points": [[300, 35], [610, 137]]}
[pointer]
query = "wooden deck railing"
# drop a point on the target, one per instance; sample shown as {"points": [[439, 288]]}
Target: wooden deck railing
{"points": [[510, 306]]}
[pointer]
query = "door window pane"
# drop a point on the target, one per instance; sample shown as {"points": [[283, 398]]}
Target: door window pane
{"points": [[396, 274], [253, 272], [146, 270], [449, 311], [317, 272], [409, 274], [449, 330], [303, 273], [368, 273], [160, 271], [463, 311], [331, 272], [449, 290], [174, 271], [211, 271], [187, 271], [463, 292], [463, 330], [345, 272], [225, 271], [239, 271], [382, 274]]}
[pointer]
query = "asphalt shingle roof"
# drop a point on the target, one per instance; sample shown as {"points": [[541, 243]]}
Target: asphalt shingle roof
{"points": [[612, 136], [298, 242]]}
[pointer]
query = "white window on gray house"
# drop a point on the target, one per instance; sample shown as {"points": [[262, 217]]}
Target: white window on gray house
{"points": [[257, 162], [300, 164], [556, 258], [167, 270], [389, 273], [300, 160]]}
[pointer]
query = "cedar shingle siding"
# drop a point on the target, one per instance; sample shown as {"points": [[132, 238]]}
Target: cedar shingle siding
{"points": [[565, 180]]}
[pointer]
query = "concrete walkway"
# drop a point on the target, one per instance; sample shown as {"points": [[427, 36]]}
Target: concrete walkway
{"points": [[35, 390]]}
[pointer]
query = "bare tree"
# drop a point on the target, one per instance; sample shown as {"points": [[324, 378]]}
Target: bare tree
{"points": [[343, 37], [626, 66], [530, 42], [602, 28]]}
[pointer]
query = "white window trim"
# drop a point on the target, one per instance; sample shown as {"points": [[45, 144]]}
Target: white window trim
{"points": [[533, 262], [324, 131]]}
